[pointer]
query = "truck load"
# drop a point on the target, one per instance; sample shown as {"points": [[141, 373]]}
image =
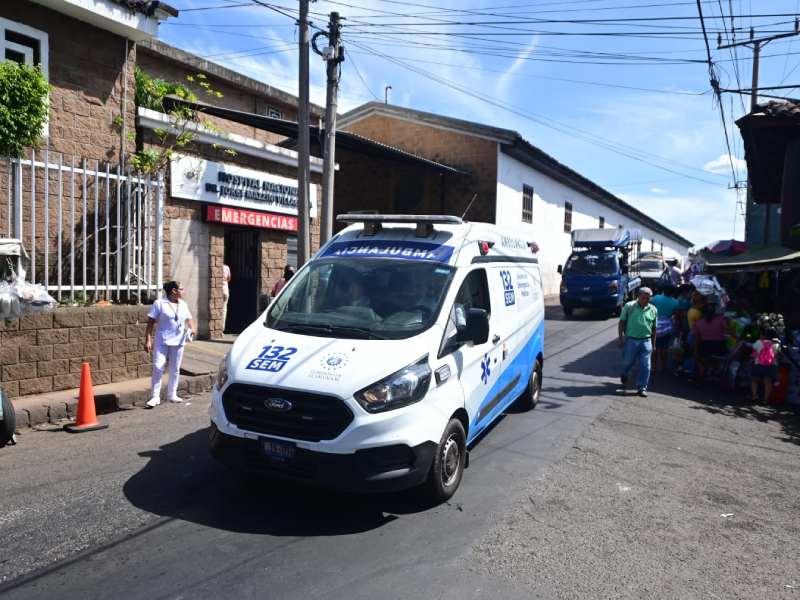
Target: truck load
{"points": [[602, 270]]}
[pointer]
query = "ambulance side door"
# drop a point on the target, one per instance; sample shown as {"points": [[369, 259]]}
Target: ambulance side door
{"points": [[476, 363]]}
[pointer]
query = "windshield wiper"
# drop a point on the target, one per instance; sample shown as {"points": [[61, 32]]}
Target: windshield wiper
{"points": [[329, 329]]}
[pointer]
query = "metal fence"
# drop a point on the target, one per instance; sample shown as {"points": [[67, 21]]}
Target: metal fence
{"points": [[91, 234]]}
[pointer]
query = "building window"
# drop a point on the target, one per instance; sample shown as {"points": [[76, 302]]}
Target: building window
{"points": [[602, 222], [274, 113], [24, 45], [527, 204], [567, 217], [652, 244], [661, 246]]}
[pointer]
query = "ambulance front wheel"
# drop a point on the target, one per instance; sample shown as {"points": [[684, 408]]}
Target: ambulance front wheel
{"points": [[448, 463]]}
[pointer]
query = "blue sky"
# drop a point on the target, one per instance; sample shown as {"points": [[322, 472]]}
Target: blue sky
{"points": [[541, 68]]}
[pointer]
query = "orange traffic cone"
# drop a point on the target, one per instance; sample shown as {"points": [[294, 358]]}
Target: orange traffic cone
{"points": [[87, 417]]}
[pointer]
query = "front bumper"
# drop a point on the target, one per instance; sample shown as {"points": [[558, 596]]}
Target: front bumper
{"points": [[379, 469], [606, 302]]}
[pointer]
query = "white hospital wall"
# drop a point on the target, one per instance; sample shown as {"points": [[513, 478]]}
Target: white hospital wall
{"points": [[547, 229]]}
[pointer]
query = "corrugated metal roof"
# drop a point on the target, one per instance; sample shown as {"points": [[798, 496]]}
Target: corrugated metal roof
{"points": [[344, 139], [513, 144]]}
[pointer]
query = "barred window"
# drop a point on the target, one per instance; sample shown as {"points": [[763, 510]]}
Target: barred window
{"points": [[567, 217], [527, 204]]}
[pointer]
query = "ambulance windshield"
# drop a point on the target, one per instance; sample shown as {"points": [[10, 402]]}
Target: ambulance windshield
{"points": [[362, 298]]}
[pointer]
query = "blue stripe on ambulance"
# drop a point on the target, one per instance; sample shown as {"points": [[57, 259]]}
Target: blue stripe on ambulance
{"points": [[515, 377]]}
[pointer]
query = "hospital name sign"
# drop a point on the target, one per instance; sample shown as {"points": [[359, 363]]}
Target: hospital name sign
{"points": [[193, 178]]}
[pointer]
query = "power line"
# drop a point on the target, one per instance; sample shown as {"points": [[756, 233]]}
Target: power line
{"points": [[632, 153], [361, 77]]}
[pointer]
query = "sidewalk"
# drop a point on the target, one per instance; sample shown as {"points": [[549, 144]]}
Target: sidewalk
{"points": [[198, 371]]}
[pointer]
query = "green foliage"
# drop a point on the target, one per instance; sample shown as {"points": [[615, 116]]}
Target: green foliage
{"points": [[183, 121], [23, 107], [150, 91]]}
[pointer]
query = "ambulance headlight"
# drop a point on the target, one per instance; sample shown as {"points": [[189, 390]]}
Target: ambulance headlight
{"points": [[222, 371], [401, 388]]}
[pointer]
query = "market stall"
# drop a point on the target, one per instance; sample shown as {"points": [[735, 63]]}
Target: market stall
{"points": [[755, 291]]}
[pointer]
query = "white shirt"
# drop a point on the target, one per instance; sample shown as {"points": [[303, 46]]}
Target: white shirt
{"points": [[170, 321]]}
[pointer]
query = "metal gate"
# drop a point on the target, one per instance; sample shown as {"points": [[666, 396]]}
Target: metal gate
{"points": [[91, 234]]}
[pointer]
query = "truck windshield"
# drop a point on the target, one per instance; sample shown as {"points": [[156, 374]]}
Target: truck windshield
{"points": [[651, 265], [603, 263], [362, 298]]}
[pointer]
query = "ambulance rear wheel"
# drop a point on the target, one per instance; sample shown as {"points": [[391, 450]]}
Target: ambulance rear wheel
{"points": [[530, 397], [448, 463]]}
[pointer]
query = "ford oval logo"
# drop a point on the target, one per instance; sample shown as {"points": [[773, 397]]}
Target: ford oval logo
{"points": [[278, 404]]}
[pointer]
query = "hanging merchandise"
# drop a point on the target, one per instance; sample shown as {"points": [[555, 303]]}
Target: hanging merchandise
{"points": [[763, 281]]}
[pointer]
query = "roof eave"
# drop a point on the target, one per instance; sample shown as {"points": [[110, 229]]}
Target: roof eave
{"points": [[525, 152]]}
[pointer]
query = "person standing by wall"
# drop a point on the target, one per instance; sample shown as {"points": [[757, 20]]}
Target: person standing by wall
{"points": [[226, 293], [288, 272], [637, 334], [172, 321]]}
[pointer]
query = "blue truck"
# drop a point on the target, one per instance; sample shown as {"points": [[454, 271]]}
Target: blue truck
{"points": [[602, 270]]}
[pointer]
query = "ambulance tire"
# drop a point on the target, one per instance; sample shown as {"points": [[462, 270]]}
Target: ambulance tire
{"points": [[530, 397], [448, 464], [8, 422]]}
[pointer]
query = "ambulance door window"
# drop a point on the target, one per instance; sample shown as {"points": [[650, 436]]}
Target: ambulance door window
{"points": [[473, 293]]}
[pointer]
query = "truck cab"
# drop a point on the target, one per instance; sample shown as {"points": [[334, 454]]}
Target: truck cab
{"points": [[601, 272]]}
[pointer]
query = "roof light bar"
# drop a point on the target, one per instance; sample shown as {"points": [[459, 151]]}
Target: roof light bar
{"points": [[381, 218]]}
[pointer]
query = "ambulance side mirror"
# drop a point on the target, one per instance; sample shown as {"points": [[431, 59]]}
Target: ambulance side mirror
{"points": [[475, 328], [560, 269]]}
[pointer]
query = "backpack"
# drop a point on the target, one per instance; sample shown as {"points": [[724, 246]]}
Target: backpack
{"points": [[766, 356]]}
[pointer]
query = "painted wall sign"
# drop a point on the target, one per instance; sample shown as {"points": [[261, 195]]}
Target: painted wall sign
{"points": [[249, 218], [194, 178]]}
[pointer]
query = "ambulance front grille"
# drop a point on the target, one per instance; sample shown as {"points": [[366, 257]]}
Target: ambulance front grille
{"points": [[310, 417]]}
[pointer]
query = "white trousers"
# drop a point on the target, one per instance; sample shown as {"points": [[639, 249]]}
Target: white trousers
{"points": [[163, 355], [225, 297]]}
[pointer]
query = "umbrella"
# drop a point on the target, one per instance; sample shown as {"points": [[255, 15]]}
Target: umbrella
{"points": [[729, 247]]}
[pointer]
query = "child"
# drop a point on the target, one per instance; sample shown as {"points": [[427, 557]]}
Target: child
{"points": [[765, 363]]}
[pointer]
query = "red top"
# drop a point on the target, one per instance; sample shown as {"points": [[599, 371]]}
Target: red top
{"points": [[711, 331]]}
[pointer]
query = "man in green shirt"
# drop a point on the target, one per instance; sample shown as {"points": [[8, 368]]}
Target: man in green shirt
{"points": [[637, 335]]}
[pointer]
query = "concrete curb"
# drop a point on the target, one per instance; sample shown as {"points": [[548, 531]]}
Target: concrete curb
{"points": [[50, 408]]}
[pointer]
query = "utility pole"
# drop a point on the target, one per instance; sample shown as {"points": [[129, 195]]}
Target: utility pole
{"points": [[333, 56], [303, 142], [757, 44]]}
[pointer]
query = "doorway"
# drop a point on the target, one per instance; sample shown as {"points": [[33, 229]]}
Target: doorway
{"points": [[243, 256]]}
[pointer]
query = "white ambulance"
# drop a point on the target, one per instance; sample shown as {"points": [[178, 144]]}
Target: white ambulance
{"points": [[385, 356]]}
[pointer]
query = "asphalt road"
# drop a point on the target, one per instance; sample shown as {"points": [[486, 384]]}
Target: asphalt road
{"points": [[141, 511]]}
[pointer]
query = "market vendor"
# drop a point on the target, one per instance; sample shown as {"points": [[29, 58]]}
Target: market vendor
{"points": [[709, 337]]}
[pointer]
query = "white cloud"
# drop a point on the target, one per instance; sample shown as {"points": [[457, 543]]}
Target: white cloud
{"points": [[699, 218], [658, 190], [722, 165]]}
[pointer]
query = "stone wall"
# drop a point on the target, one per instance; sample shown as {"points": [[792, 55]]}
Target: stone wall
{"points": [[477, 156], [44, 352]]}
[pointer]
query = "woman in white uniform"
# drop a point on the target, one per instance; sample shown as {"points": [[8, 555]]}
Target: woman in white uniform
{"points": [[172, 321]]}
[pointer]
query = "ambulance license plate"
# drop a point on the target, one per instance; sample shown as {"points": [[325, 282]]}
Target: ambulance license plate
{"points": [[277, 449]]}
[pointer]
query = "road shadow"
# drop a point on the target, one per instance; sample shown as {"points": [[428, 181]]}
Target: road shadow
{"points": [[713, 398], [554, 312], [605, 361], [181, 480]]}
